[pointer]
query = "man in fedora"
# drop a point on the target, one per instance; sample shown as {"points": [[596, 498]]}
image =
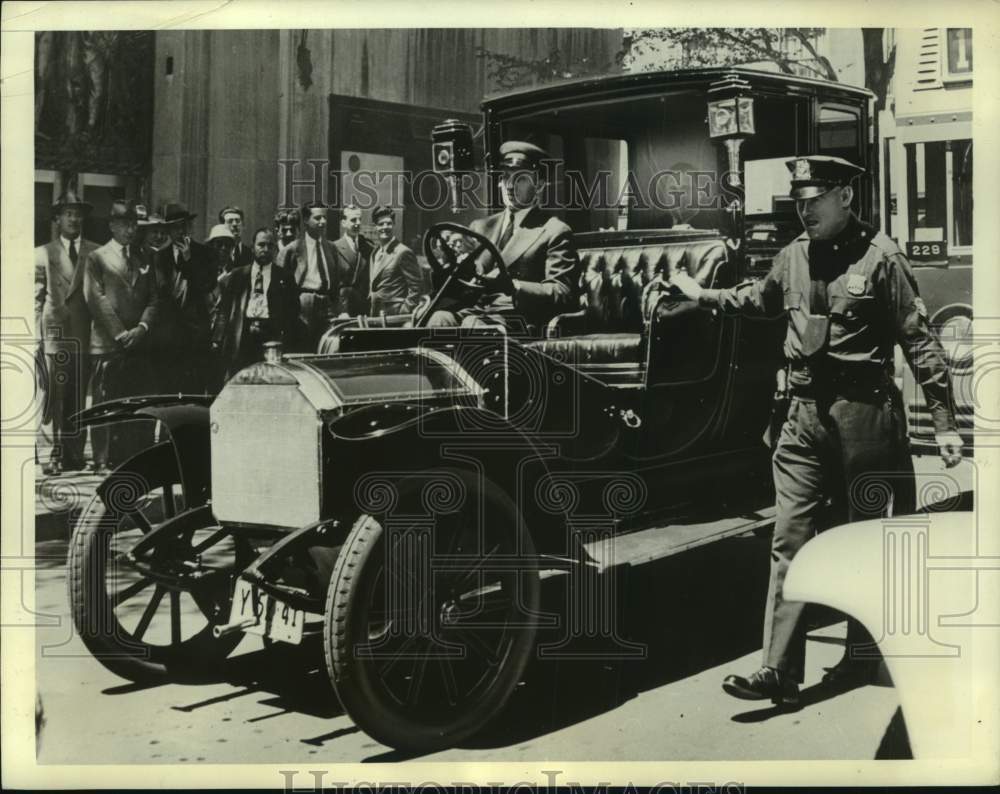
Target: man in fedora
{"points": [[538, 249], [63, 324], [186, 273], [849, 297], [123, 298]]}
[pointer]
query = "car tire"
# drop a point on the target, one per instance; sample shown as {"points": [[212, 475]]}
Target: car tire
{"points": [[429, 685], [106, 595]]}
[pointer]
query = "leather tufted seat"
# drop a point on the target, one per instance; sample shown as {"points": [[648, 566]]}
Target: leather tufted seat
{"points": [[604, 338]]}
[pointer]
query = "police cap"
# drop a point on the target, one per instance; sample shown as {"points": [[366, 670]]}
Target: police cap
{"points": [[814, 176]]}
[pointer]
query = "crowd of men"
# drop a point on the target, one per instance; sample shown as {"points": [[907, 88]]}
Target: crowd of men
{"points": [[154, 311]]}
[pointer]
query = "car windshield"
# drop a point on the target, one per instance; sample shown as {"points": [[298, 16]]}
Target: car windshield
{"points": [[390, 375], [649, 162]]}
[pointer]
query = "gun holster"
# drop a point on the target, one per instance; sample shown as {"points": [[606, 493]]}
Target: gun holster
{"points": [[779, 410]]}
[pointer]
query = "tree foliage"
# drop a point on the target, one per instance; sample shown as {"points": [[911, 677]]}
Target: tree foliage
{"points": [[693, 47], [791, 50], [511, 71]]}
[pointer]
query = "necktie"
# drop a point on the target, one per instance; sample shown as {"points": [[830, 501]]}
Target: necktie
{"points": [[324, 285], [258, 282], [73, 255], [508, 230]]}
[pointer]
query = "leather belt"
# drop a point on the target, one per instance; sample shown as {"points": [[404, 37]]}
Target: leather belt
{"points": [[827, 382]]}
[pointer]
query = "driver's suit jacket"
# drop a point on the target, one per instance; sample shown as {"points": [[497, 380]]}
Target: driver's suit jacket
{"points": [[541, 255]]}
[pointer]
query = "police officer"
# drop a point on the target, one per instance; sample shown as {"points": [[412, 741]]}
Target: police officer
{"points": [[849, 297]]}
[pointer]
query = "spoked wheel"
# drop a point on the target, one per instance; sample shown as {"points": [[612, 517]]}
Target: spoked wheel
{"points": [[152, 619], [429, 624]]}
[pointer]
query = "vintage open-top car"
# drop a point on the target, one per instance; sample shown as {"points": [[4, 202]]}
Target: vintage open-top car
{"points": [[404, 495]]}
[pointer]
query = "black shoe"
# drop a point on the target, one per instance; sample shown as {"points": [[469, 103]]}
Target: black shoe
{"points": [[850, 673], [766, 683], [52, 469], [74, 465]]}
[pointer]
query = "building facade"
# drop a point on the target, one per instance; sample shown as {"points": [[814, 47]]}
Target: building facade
{"points": [[216, 117]]}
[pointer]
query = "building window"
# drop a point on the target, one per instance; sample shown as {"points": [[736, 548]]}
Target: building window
{"points": [[839, 132], [939, 192], [958, 54]]}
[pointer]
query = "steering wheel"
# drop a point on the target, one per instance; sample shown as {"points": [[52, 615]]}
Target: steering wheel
{"points": [[448, 270]]}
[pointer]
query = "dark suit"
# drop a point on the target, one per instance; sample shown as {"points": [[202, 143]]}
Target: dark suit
{"points": [[242, 255], [182, 339], [120, 295], [541, 256], [230, 335], [354, 275], [396, 279], [63, 327], [316, 307]]}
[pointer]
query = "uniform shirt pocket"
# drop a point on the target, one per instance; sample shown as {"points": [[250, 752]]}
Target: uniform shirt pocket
{"points": [[849, 308]]}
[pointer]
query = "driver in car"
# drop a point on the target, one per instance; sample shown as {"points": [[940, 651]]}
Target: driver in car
{"points": [[543, 269]]}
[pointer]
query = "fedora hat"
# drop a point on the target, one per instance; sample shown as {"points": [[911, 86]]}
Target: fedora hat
{"points": [[123, 210], [175, 212], [70, 200]]}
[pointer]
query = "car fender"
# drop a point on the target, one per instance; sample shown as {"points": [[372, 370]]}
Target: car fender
{"points": [[185, 420], [913, 583]]}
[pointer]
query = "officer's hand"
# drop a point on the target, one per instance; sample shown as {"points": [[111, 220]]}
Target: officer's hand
{"points": [[687, 285], [949, 447]]}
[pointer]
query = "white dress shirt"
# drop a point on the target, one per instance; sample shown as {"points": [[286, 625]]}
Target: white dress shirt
{"points": [[312, 278]]}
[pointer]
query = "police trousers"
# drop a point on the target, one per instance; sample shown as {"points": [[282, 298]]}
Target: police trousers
{"points": [[853, 454]]}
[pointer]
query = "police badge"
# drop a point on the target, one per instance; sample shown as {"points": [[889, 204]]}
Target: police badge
{"points": [[856, 284]]}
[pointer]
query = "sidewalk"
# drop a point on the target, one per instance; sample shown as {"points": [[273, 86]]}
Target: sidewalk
{"points": [[60, 499]]}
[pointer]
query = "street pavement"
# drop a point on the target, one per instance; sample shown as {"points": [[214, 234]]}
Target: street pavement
{"points": [[276, 705], [695, 618]]}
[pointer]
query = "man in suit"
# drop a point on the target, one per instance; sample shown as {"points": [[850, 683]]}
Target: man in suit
{"points": [[354, 255], [232, 217], [63, 324], [123, 299], [310, 262], [537, 247], [186, 272], [257, 304], [397, 283]]}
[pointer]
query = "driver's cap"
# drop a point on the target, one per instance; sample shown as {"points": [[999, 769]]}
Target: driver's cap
{"points": [[521, 155]]}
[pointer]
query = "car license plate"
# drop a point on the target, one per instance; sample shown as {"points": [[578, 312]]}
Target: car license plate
{"points": [[272, 618]]}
